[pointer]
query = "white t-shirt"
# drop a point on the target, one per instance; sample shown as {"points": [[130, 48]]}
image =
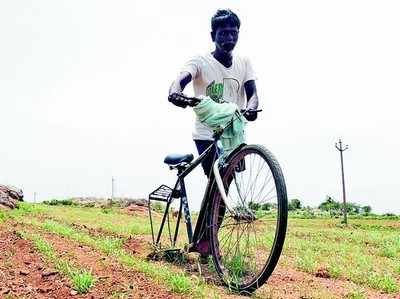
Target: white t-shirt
{"points": [[211, 78]]}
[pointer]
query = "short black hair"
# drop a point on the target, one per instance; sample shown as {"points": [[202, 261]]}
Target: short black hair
{"points": [[223, 17]]}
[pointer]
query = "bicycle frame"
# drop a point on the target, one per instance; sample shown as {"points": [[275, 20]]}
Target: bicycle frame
{"points": [[184, 205], [179, 187]]}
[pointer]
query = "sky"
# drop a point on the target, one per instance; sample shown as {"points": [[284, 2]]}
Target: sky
{"points": [[84, 85]]}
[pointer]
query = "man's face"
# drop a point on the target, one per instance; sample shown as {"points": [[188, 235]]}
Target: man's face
{"points": [[225, 37]]}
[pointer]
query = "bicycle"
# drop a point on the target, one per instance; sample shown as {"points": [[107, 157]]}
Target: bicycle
{"points": [[243, 215]]}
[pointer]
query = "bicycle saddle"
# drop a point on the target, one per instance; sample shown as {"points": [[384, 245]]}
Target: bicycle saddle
{"points": [[174, 159]]}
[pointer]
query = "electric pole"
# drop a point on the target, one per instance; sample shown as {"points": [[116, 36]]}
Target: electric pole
{"points": [[112, 188], [341, 149], [34, 197]]}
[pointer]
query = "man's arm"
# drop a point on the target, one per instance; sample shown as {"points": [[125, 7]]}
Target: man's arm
{"points": [[178, 86], [252, 99]]}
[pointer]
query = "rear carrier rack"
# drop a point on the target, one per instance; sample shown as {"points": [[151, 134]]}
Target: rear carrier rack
{"points": [[162, 193], [165, 196]]}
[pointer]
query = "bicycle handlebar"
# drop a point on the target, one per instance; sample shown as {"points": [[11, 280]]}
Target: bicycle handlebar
{"points": [[193, 101], [243, 111], [184, 101], [179, 97]]}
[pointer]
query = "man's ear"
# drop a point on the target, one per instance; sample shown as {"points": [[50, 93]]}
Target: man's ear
{"points": [[212, 36]]}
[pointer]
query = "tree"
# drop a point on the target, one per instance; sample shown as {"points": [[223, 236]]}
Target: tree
{"points": [[266, 206], [294, 204], [352, 208], [254, 206], [366, 209], [330, 205]]}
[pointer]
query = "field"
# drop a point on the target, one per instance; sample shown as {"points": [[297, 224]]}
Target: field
{"points": [[83, 252]]}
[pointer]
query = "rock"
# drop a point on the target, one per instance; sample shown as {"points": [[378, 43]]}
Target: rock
{"points": [[73, 293], [49, 273], [44, 289], [24, 272], [104, 277], [323, 273], [106, 202], [9, 196]]}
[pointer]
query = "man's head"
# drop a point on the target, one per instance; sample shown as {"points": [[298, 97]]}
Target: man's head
{"points": [[225, 26]]}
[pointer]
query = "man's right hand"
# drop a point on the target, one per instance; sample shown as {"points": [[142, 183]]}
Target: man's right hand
{"points": [[175, 99]]}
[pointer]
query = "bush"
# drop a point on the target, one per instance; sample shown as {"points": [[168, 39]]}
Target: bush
{"points": [[366, 210], [294, 204], [254, 206], [266, 207], [56, 202], [158, 207]]}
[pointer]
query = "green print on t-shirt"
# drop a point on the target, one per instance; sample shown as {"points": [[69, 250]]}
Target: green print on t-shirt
{"points": [[215, 91]]}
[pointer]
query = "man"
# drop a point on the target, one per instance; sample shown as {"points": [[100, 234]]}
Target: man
{"points": [[222, 77], [219, 75]]}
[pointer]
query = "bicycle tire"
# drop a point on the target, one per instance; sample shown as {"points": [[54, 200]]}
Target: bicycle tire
{"points": [[232, 270]]}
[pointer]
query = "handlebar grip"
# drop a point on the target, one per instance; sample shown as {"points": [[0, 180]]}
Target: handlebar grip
{"points": [[178, 97], [245, 110]]}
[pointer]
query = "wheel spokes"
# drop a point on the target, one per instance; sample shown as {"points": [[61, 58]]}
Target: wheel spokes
{"points": [[244, 234]]}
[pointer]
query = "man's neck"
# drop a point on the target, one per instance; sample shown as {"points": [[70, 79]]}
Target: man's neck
{"points": [[223, 57]]}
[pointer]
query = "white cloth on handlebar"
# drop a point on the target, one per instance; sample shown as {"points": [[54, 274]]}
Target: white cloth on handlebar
{"points": [[217, 116]]}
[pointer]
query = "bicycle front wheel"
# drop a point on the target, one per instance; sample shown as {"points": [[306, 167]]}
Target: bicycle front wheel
{"points": [[248, 231]]}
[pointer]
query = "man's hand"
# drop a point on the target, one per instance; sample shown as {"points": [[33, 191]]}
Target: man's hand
{"points": [[177, 87], [250, 115], [175, 99]]}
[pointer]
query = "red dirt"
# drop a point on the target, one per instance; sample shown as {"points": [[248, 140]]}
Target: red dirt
{"points": [[134, 245], [136, 210], [113, 277], [21, 279], [290, 284], [138, 246], [21, 271]]}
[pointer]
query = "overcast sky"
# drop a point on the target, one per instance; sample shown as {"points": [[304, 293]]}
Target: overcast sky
{"points": [[83, 94]]}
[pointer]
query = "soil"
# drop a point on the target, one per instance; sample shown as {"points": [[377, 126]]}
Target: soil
{"points": [[114, 278], [138, 246], [136, 210], [284, 283], [22, 269], [23, 273], [288, 284]]}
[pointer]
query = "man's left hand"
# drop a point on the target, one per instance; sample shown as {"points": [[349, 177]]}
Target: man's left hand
{"points": [[250, 115]]}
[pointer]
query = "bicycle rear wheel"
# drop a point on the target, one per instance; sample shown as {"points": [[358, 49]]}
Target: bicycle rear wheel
{"points": [[247, 233]]}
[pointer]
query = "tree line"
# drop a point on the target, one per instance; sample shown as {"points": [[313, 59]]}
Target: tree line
{"points": [[333, 207]]}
